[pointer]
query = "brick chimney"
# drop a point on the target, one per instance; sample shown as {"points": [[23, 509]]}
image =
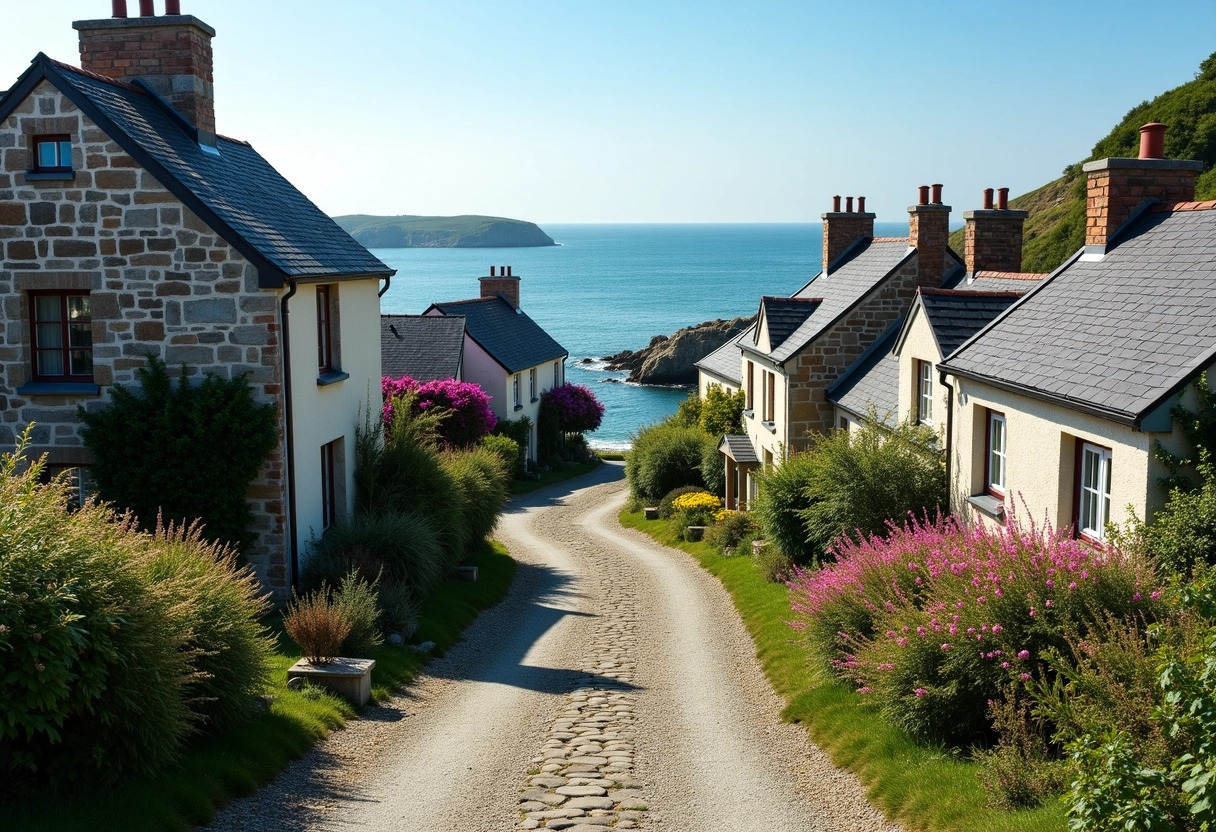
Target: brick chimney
{"points": [[501, 281], [1117, 187], [170, 53], [843, 228], [992, 237], [929, 233]]}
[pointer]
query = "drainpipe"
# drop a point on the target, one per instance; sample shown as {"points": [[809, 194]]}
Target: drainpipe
{"points": [[288, 436], [388, 279], [949, 434]]}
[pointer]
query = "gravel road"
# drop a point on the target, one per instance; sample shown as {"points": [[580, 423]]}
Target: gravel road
{"points": [[615, 686]]}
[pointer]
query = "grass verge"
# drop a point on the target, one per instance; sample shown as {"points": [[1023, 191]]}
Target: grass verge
{"points": [[568, 472], [217, 769], [925, 788]]}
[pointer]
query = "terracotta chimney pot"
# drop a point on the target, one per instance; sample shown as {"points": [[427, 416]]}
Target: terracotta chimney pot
{"points": [[1002, 201], [119, 8], [147, 8], [836, 204], [861, 204], [937, 194], [924, 195], [173, 7], [1152, 141], [848, 204], [987, 199]]}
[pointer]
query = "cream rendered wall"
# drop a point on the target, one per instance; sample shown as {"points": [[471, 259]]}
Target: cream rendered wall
{"points": [[704, 380], [774, 440], [1041, 456], [919, 345], [322, 414]]}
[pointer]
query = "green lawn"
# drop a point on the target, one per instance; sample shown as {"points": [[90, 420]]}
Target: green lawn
{"points": [[925, 788], [217, 769]]}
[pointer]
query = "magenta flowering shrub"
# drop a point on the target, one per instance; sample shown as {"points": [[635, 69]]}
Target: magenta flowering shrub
{"points": [[468, 416], [576, 407], [936, 619]]}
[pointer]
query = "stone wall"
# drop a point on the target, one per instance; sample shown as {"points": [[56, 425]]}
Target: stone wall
{"points": [[161, 283], [992, 240], [818, 366]]}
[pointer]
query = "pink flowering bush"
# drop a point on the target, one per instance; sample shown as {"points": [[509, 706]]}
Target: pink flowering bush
{"points": [[576, 407], [937, 618], [466, 407]]}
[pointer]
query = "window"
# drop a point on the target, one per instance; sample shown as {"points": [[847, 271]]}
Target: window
{"points": [[329, 488], [843, 424], [924, 393], [557, 373], [52, 154], [769, 407], [80, 482], [1093, 498], [751, 383], [325, 330], [994, 476], [515, 385], [62, 336], [532, 383]]}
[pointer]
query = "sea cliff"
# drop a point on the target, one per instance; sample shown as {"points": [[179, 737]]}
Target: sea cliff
{"points": [[671, 360], [468, 231]]}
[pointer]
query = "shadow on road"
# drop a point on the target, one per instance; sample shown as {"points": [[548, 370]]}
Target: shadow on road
{"points": [[552, 495]]}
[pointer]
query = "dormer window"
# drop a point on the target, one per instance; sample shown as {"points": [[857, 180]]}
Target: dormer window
{"points": [[52, 154]]}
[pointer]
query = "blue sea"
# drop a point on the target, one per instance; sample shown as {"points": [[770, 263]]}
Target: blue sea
{"points": [[608, 288]]}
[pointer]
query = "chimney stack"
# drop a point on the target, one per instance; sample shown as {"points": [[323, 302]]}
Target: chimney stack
{"points": [[841, 229], [170, 53], [503, 283], [1118, 187], [992, 238], [929, 233]]}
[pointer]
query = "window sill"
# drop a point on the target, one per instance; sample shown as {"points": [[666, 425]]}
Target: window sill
{"points": [[989, 505], [771, 427], [326, 379], [59, 388], [519, 407], [535, 400], [751, 414], [50, 176]]}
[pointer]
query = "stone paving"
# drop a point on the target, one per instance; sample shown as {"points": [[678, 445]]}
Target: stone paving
{"points": [[583, 779]]}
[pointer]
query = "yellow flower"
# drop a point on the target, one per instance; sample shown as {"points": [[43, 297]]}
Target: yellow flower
{"points": [[697, 501]]}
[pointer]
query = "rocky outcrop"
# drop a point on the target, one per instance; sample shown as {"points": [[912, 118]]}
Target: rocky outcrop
{"points": [[443, 232], [672, 360]]}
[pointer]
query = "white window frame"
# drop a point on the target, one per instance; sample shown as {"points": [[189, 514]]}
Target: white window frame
{"points": [[996, 467], [924, 393], [1093, 491], [515, 383], [532, 383]]}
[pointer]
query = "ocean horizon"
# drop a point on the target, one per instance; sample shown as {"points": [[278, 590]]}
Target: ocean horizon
{"points": [[609, 287]]}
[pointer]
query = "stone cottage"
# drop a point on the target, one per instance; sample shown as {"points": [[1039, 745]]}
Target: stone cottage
{"points": [[130, 228]]}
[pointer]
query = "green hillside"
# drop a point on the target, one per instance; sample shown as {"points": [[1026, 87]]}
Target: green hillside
{"points": [[467, 231], [1056, 227]]}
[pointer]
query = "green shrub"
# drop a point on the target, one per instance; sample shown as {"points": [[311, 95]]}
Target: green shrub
{"points": [[182, 451], [730, 529], [667, 504], [403, 545], [1183, 533], [713, 467], [1198, 429], [780, 500], [481, 478], [223, 605], [664, 456], [773, 564], [357, 601], [400, 607], [1021, 771], [856, 481], [688, 414], [94, 674], [509, 451]]}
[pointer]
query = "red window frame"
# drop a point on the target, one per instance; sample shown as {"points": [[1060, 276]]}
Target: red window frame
{"points": [[989, 488], [329, 496], [325, 350], [59, 140], [65, 347]]}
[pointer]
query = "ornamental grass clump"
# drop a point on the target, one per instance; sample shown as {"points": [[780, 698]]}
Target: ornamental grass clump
{"points": [[937, 618], [316, 624]]}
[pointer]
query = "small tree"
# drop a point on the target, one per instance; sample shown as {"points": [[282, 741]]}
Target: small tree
{"points": [[182, 451], [722, 412], [567, 408]]}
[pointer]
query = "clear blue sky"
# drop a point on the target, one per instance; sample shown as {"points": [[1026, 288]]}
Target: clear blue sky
{"points": [[655, 111]]}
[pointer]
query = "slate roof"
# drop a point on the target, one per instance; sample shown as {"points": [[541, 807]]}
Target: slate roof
{"points": [[853, 276], [511, 338], [1115, 337], [992, 281], [785, 315], [235, 191], [872, 381], [726, 361], [425, 348], [739, 448], [954, 316]]}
